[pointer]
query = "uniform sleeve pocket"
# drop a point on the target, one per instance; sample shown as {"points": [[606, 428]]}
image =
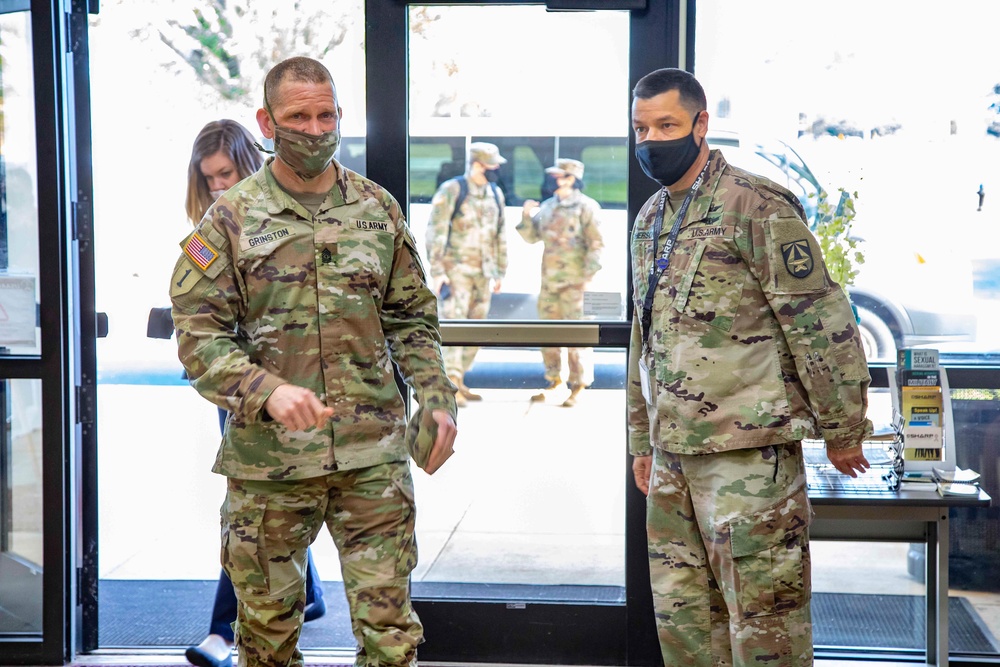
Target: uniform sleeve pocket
{"points": [[243, 556], [771, 557], [844, 336]]}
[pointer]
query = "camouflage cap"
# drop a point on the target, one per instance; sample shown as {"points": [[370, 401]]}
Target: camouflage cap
{"points": [[567, 166], [488, 154]]}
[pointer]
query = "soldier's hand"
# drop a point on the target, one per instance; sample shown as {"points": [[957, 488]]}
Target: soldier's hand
{"points": [[444, 443], [439, 282], [642, 467], [496, 285], [848, 460], [529, 205], [296, 408]]}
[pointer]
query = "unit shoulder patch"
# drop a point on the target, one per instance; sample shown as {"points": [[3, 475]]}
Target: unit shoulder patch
{"points": [[798, 258]]}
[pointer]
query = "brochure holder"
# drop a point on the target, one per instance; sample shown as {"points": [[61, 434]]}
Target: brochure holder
{"points": [[948, 444]]}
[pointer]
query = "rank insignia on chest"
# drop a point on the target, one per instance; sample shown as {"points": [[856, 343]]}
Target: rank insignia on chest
{"points": [[798, 258], [199, 251]]}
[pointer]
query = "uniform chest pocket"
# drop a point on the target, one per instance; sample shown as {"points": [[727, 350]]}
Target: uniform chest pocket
{"points": [[711, 287], [361, 248]]}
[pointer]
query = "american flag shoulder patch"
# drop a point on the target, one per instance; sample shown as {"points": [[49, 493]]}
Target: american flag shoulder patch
{"points": [[200, 252]]}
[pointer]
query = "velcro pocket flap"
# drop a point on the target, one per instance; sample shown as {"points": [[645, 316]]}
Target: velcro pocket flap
{"points": [[772, 526]]}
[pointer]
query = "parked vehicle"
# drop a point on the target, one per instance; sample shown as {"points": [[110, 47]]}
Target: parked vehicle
{"points": [[910, 291]]}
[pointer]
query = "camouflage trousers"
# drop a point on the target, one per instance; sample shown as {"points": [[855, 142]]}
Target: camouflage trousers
{"points": [[469, 300], [565, 302], [266, 528], [729, 557]]}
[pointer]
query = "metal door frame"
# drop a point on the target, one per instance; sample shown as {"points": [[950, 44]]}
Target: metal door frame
{"points": [[661, 35], [54, 34]]}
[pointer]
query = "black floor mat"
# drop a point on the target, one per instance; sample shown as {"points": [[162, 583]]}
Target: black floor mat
{"points": [[145, 614], [894, 621], [161, 613]]}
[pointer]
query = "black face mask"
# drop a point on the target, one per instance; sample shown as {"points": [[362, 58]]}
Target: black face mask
{"points": [[492, 175], [666, 162]]}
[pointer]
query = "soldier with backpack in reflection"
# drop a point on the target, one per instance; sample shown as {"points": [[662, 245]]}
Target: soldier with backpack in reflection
{"points": [[467, 250]]}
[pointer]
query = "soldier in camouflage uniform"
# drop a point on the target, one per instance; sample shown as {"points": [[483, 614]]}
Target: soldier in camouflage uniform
{"points": [[467, 250], [292, 299], [748, 347], [569, 227]]}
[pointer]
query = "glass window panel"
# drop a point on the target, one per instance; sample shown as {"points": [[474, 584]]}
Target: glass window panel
{"points": [[18, 190], [847, 101], [459, 96], [21, 519], [540, 501], [974, 567], [825, 101]]}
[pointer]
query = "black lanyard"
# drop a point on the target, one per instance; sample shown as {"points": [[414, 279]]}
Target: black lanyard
{"points": [[661, 263]]}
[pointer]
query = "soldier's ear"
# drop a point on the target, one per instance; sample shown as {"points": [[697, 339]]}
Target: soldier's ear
{"points": [[265, 123], [701, 126]]}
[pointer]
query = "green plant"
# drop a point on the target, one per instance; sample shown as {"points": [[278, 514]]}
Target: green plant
{"points": [[833, 230]]}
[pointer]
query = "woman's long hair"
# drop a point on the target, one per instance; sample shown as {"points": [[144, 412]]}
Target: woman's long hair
{"points": [[232, 139]]}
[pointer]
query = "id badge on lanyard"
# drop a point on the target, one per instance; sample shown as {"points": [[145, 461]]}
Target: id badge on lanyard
{"points": [[644, 380]]}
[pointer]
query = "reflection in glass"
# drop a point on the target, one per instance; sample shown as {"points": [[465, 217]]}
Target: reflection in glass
{"points": [[574, 111], [858, 117], [829, 100], [534, 493], [21, 518], [18, 189]]}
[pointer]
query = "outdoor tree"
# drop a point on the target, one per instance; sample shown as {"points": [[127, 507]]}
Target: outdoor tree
{"points": [[231, 44]]}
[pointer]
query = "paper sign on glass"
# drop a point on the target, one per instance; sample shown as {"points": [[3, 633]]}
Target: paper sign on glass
{"points": [[17, 309]]}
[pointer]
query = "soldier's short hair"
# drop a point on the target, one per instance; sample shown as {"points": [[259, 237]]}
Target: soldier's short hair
{"points": [[692, 95], [299, 68]]}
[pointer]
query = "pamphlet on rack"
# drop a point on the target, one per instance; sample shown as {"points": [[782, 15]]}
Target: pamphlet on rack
{"points": [[922, 403], [917, 359]]}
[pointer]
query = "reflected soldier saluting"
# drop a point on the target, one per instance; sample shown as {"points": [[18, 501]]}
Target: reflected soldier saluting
{"points": [[568, 225]]}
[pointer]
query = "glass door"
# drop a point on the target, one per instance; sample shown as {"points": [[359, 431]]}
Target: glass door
{"points": [[529, 516], [532, 543], [39, 325]]}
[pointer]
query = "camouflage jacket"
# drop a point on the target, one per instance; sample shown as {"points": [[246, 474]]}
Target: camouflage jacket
{"points": [[571, 232], [475, 241], [751, 343], [266, 294]]}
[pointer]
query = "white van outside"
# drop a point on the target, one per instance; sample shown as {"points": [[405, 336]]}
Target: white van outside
{"points": [[907, 293]]}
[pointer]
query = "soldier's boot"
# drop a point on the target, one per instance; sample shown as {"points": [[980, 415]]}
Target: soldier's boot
{"points": [[459, 396], [573, 395], [468, 393], [540, 396]]}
